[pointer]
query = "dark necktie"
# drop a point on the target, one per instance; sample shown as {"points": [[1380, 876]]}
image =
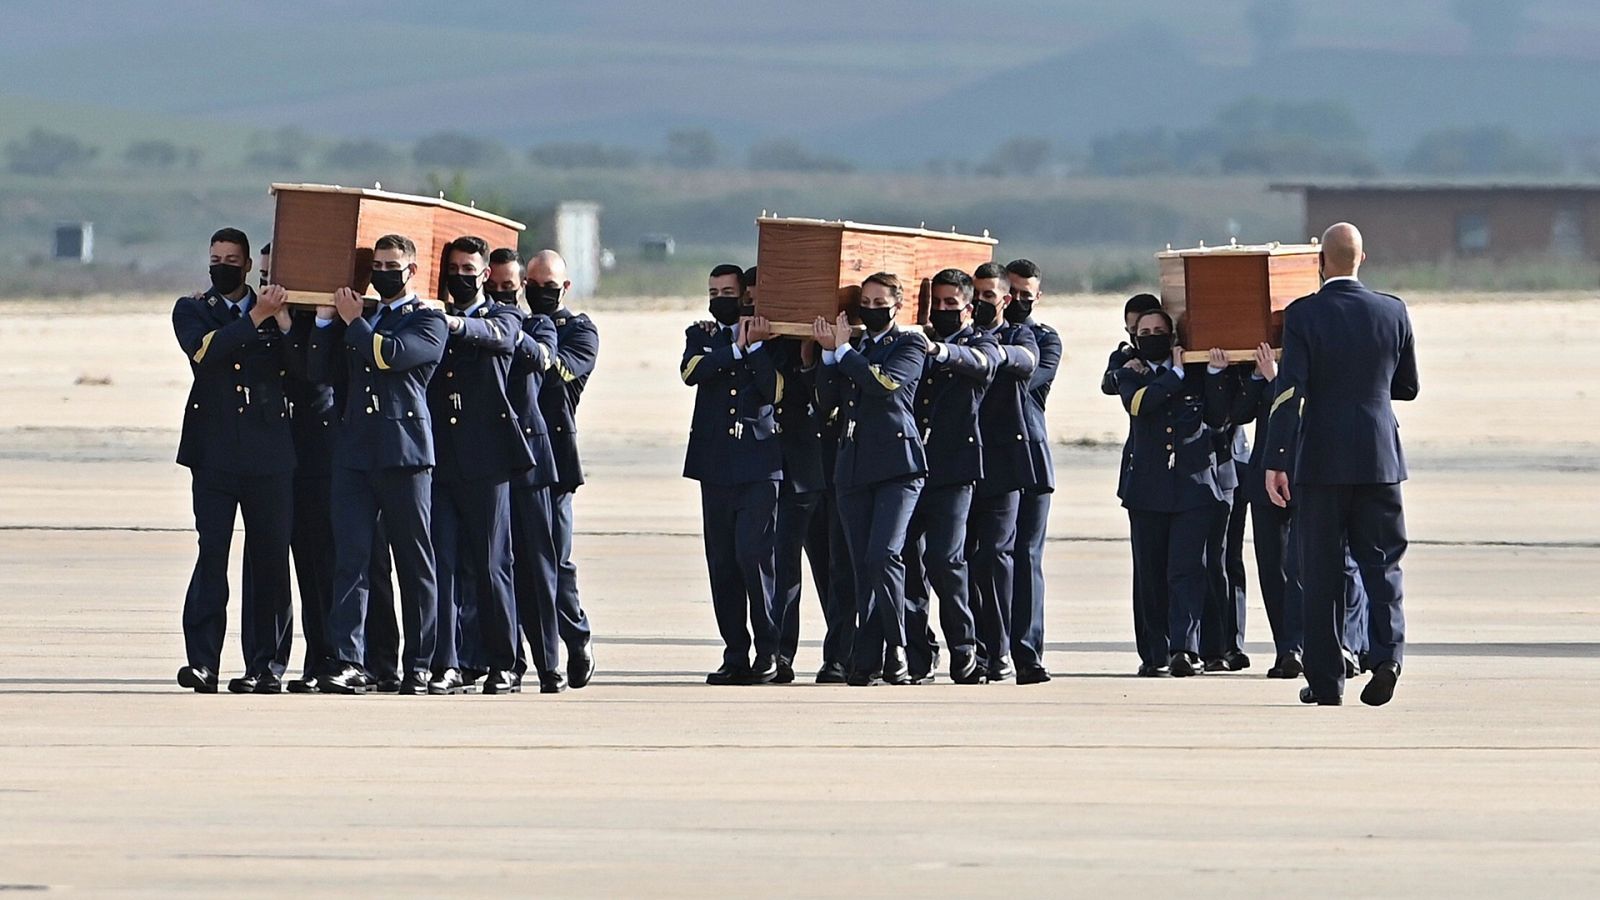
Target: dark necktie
{"points": [[233, 310]]}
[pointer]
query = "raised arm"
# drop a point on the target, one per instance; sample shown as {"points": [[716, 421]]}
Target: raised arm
{"points": [[1044, 374], [495, 332], [208, 347], [419, 340], [903, 366], [577, 352], [701, 363]]}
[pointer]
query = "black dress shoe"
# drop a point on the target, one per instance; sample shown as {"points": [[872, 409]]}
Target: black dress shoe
{"points": [[964, 668], [346, 679], [472, 676], [306, 684], [1147, 670], [863, 678], [895, 668], [1287, 666], [501, 681], [730, 675], [448, 682], [765, 670], [387, 685], [268, 683], [244, 684], [1034, 674], [552, 682], [1183, 665], [1308, 696], [831, 673], [199, 679], [1217, 664], [1236, 661], [1000, 670], [580, 665], [785, 672], [1380, 689], [416, 683]]}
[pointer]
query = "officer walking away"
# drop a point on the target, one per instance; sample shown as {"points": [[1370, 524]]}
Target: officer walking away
{"points": [[1348, 353], [240, 455]]}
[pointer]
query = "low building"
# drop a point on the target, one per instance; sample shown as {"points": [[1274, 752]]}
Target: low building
{"points": [[1420, 222]]}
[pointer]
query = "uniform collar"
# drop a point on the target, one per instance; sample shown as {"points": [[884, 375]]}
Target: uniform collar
{"points": [[1342, 278], [394, 305], [243, 304], [473, 309]]}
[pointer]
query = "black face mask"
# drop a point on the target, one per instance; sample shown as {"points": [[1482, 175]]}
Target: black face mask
{"points": [[389, 282], [546, 300], [463, 288], [725, 310], [1018, 310], [508, 297], [225, 278], [945, 322], [984, 314], [876, 318], [1155, 347]]}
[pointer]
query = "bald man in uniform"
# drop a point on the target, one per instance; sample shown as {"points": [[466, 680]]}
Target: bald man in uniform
{"points": [[1348, 354]]}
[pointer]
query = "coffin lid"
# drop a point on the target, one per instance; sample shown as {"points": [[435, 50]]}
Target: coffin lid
{"points": [[1272, 249], [400, 198], [845, 224]]}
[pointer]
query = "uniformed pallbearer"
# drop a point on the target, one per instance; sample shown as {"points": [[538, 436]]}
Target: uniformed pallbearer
{"points": [[382, 459], [240, 455], [733, 452]]}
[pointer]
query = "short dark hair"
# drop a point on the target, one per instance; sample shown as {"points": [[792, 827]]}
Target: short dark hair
{"points": [[954, 278], [748, 279], [989, 270], [266, 249], [503, 255], [888, 280], [1024, 268], [400, 242], [1141, 303], [1158, 311], [727, 269], [231, 236], [469, 245]]}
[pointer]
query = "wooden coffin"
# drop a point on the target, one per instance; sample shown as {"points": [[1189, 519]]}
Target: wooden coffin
{"points": [[322, 237], [1233, 296], [811, 267]]}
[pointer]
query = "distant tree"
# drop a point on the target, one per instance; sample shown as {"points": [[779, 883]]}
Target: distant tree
{"points": [[789, 155], [458, 151], [1483, 150], [1255, 135], [152, 154], [47, 153], [359, 153], [1273, 25], [284, 148], [1022, 156], [691, 148], [1134, 152], [1493, 25], [582, 155]]}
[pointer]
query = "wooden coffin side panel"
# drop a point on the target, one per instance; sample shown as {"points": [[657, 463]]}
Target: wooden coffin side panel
{"points": [[1174, 288], [865, 253], [797, 273], [380, 217], [935, 254], [1291, 278], [1227, 303], [312, 243], [449, 224]]}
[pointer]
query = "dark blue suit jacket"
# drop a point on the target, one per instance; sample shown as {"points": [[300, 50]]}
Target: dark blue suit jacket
{"points": [[384, 374], [237, 417], [1016, 453], [947, 406], [1347, 354], [799, 421], [536, 362], [577, 349], [1170, 461], [874, 390], [733, 436], [476, 433]]}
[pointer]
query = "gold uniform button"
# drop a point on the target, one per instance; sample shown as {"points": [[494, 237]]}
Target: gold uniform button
{"points": [[282, 372], [1169, 430], [452, 420], [527, 431], [1019, 437], [369, 368], [730, 431], [449, 374], [1169, 446], [409, 414], [236, 367], [899, 434], [197, 406], [238, 389], [971, 439], [369, 410], [241, 409], [733, 412], [733, 392]]}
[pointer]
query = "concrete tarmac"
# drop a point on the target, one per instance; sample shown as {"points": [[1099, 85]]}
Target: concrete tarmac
{"points": [[1481, 779]]}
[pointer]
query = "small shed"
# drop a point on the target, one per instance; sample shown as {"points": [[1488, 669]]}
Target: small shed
{"points": [[75, 242], [572, 229]]}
